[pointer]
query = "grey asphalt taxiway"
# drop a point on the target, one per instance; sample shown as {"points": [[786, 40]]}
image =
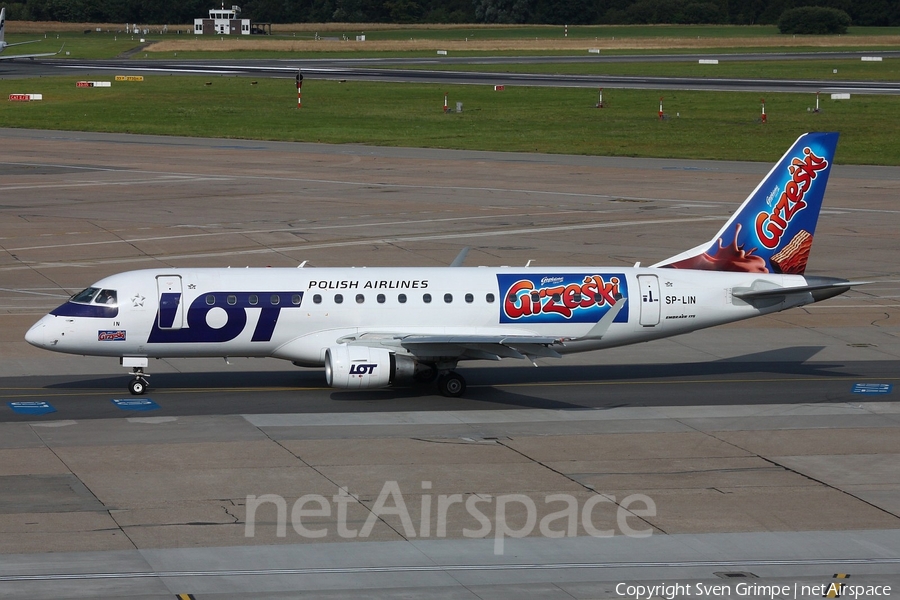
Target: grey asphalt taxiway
{"points": [[768, 450]]}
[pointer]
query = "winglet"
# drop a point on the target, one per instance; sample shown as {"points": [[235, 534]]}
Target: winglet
{"points": [[772, 231], [599, 330], [460, 258]]}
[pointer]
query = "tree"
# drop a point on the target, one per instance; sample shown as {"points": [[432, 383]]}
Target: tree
{"points": [[503, 11], [813, 20]]}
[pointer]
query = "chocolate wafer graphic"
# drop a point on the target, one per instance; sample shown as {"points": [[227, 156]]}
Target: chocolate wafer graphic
{"points": [[791, 260]]}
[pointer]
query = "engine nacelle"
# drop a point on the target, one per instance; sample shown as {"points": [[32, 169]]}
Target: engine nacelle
{"points": [[359, 367]]}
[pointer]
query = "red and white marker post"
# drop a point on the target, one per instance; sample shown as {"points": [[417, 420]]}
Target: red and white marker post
{"points": [[762, 118], [661, 113]]}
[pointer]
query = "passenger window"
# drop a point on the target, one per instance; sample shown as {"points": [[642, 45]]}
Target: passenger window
{"points": [[470, 298], [317, 299], [360, 298], [210, 299], [295, 299], [232, 299], [448, 298], [106, 297], [426, 298], [489, 298], [401, 298], [253, 299], [84, 296], [380, 298], [275, 300], [338, 298]]}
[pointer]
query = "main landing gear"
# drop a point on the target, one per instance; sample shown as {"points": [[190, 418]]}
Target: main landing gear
{"points": [[451, 384], [138, 386]]}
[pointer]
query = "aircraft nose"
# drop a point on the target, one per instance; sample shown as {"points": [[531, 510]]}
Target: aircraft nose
{"points": [[37, 335]]}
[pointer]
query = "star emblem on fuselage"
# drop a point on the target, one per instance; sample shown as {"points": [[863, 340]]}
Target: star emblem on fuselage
{"points": [[192, 286], [137, 300]]}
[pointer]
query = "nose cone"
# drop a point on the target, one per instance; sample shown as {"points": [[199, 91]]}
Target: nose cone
{"points": [[37, 335]]}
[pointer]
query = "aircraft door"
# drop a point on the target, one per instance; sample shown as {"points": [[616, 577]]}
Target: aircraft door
{"points": [[649, 285], [171, 301]]}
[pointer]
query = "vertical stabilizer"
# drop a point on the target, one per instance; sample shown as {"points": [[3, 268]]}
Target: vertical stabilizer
{"points": [[772, 231], [2, 27]]}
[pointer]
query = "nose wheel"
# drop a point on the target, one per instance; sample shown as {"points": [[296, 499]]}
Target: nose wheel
{"points": [[451, 385], [139, 385]]}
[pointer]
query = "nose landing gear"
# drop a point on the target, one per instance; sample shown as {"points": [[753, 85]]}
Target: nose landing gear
{"points": [[138, 386]]}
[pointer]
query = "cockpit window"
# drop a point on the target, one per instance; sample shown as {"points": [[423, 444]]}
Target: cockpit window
{"points": [[107, 297], [85, 296]]}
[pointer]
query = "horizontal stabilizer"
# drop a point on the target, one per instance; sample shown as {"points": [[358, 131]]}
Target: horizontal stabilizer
{"points": [[821, 288]]}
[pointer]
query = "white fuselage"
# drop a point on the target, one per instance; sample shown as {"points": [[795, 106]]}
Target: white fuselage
{"points": [[296, 314]]}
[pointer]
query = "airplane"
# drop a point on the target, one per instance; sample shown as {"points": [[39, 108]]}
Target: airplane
{"points": [[4, 45], [379, 327]]}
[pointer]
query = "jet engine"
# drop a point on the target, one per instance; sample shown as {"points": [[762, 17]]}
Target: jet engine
{"points": [[360, 367]]}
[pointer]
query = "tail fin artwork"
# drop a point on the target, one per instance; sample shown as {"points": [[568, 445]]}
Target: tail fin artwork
{"points": [[772, 231], [2, 27]]}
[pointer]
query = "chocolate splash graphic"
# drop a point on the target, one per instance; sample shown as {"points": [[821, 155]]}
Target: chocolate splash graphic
{"points": [[726, 258]]}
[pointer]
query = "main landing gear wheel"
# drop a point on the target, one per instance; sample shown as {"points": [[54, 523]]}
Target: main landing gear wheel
{"points": [[138, 386], [451, 385]]}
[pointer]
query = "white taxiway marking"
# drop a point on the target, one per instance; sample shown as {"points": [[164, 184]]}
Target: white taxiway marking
{"points": [[299, 229], [375, 241]]}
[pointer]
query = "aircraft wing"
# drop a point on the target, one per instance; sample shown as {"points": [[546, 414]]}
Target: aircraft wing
{"points": [[483, 347], [12, 56], [488, 347]]}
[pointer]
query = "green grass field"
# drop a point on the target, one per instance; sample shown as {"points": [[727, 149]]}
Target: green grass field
{"points": [[554, 120], [701, 124], [824, 69], [110, 43]]}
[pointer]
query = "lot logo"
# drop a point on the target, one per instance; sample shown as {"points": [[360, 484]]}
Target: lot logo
{"points": [[234, 305], [770, 226], [554, 298], [362, 369]]}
